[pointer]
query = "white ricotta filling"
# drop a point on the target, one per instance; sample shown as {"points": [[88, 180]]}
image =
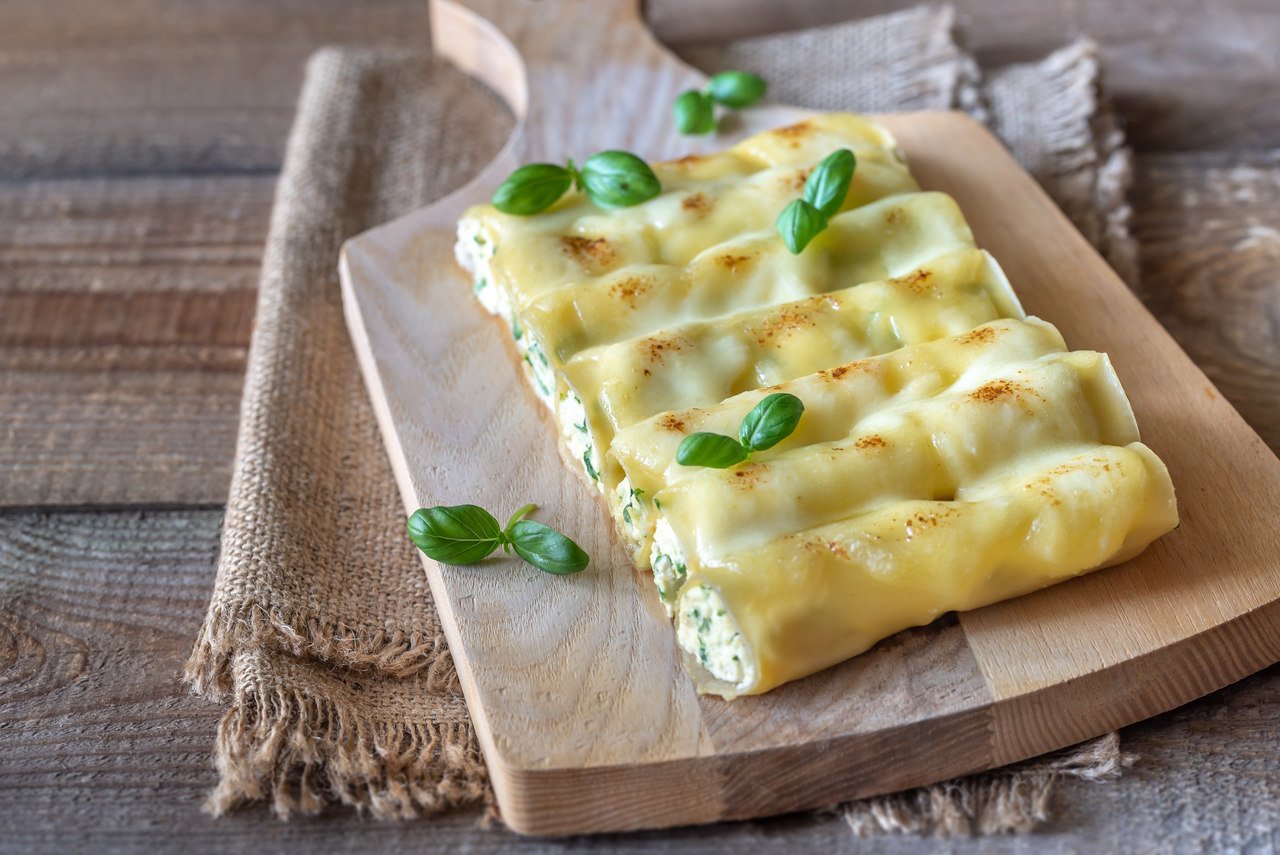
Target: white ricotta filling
{"points": [[577, 434], [668, 562], [632, 509], [707, 631], [475, 250], [544, 379]]}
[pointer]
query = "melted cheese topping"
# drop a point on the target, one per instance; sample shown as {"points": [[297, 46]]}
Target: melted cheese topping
{"points": [[951, 454], [836, 401], [702, 363], [814, 598]]}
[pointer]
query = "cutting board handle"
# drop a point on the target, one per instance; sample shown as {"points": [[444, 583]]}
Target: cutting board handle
{"points": [[580, 77], [577, 75]]}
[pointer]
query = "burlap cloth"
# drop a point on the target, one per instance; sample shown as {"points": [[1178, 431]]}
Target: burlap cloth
{"points": [[321, 636]]}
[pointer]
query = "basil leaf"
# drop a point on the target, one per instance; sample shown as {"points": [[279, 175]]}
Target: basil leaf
{"points": [[710, 449], [770, 421], [531, 189], [461, 534], [694, 112], [547, 549], [828, 184], [618, 179], [799, 223], [735, 88]]}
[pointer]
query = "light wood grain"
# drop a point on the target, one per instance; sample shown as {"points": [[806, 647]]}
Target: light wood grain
{"points": [[608, 716]]}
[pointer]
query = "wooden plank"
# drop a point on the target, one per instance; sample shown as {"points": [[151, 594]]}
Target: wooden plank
{"points": [[1055, 667], [171, 86], [105, 750], [166, 86], [1185, 74], [1210, 243], [123, 235], [125, 311]]}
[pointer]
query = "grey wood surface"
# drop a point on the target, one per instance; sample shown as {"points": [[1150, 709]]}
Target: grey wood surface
{"points": [[138, 145], [101, 749]]}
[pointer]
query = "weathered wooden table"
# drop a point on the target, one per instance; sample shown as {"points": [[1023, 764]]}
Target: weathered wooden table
{"points": [[139, 142]]}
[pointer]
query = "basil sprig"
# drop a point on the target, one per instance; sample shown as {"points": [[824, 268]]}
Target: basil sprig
{"points": [[611, 179], [465, 534], [824, 192], [769, 423], [736, 89], [695, 111]]}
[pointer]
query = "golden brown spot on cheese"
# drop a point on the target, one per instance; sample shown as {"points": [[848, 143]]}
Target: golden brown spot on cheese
{"points": [[918, 281], [1043, 489], [655, 348], [696, 202], [981, 335], [838, 549], [733, 263], [872, 441], [687, 160], [779, 323], [796, 180], [842, 371], [746, 476], [794, 134], [995, 390], [672, 422], [893, 217], [588, 252], [630, 288]]}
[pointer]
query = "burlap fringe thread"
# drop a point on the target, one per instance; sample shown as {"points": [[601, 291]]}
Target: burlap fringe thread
{"points": [[1092, 168], [1015, 799], [302, 753]]}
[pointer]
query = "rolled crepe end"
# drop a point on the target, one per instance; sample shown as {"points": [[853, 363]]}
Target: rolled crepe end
{"points": [[632, 517], [670, 567], [474, 251], [715, 649]]}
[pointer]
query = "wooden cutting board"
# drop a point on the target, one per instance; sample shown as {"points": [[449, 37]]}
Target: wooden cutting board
{"points": [[586, 718]]}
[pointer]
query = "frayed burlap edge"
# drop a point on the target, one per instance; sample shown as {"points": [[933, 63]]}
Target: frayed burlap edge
{"points": [[1084, 164], [208, 671], [1011, 800], [302, 753]]}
